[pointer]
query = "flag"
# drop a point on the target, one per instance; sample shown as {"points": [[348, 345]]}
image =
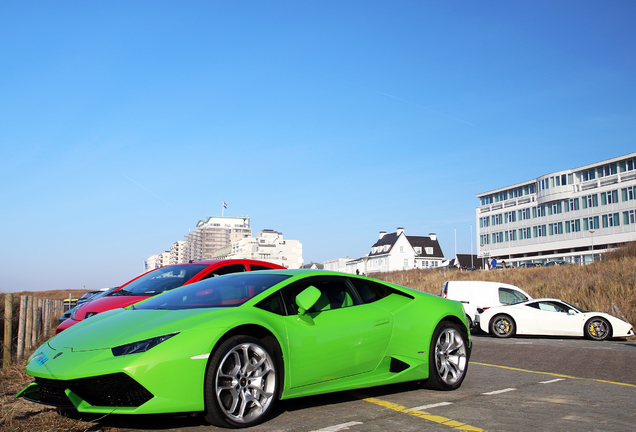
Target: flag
{"points": [[224, 204]]}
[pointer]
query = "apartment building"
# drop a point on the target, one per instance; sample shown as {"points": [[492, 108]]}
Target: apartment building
{"points": [[178, 252], [573, 215], [268, 245], [214, 233], [156, 261]]}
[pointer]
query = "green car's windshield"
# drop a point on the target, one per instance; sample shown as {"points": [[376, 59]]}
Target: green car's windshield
{"points": [[160, 280], [224, 291]]}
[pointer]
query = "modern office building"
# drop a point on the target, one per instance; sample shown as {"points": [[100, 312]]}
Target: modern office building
{"points": [[573, 215]]}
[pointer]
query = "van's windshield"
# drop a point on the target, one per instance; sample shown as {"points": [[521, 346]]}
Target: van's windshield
{"points": [[508, 296]]}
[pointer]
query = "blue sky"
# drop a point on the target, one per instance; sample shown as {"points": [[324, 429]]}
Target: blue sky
{"points": [[122, 124]]}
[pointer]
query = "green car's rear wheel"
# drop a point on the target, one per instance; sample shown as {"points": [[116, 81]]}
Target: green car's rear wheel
{"points": [[448, 357], [241, 383]]}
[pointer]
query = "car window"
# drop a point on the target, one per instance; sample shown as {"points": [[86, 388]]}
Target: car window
{"points": [[335, 293], [255, 267], [369, 291], [509, 296], [234, 268], [273, 303], [227, 291], [552, 307], [160, 280]]}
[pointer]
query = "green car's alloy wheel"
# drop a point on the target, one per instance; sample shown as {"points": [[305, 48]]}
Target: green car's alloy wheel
{"points": [[502, 326], [448, 359], [241, 383], [597, 328]]}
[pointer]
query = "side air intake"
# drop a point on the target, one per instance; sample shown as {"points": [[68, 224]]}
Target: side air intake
{"points": [[398, 366]]}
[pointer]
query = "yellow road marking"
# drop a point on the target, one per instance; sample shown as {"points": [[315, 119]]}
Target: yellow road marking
{"points": [[421, 414], [553, 374]]}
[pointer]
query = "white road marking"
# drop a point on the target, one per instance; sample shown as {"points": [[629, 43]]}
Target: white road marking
{"points": [[425, 407], [499, 391], [552, 381], [337, 428]]}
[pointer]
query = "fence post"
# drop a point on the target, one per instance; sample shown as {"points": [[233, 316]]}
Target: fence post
{"points": [[28, 334], [8, 329], [46, 318], [21, 326]]}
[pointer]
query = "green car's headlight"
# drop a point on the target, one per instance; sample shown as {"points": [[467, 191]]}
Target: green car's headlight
{"points": [[140, 346]]}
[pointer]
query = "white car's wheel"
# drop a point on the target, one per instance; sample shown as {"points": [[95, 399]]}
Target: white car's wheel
{"points": [[502, 326], [598, 328]]}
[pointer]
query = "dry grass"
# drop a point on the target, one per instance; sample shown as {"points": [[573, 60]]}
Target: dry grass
{"points": [[21, 415], [593, 287]]}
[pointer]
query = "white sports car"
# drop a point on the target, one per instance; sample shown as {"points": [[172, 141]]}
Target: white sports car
{"points": [[551, 317]]}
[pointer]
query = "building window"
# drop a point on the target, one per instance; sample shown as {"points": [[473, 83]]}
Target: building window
{"points": [[498, 237], [525, 233], [555, 208], [572, 226], [628, 193], [556, 228], [591, 223], [628, 217], [406, 263], [589, 175], [539, 231], [609, 197], [484, 239], [572, 204], [610, 220], [590, 201]]}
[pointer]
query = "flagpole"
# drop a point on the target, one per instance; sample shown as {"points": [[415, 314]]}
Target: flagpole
{"points": [[222, 208]]}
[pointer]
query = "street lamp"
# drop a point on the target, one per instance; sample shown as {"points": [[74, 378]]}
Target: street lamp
{"points": [[592, 233]]}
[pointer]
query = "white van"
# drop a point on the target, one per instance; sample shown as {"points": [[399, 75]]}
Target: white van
{"points": [[477, 296]]}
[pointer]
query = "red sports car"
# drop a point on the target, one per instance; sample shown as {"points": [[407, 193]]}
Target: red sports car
{"points": [[162, 279]]}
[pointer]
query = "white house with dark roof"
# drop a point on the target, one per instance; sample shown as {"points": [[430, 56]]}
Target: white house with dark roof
{"points": [[397, 251]]}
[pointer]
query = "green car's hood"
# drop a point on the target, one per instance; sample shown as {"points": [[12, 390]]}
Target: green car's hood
{"points": [[122, 326]]}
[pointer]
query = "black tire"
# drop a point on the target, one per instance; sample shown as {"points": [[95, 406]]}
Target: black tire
{"points": [[502, 326], [241, 383], [448, 356], [597, 328]]}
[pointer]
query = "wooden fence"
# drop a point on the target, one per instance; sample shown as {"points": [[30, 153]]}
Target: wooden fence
{"points": [[36, 319]]}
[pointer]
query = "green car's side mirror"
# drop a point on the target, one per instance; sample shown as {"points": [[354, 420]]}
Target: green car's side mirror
{"points": [[306, 299]]}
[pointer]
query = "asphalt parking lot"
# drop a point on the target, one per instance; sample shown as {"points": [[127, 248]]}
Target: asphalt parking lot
{"points": [[518, 384]]}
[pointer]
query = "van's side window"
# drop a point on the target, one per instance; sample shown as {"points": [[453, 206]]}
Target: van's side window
{"points": [[508, 296]]}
